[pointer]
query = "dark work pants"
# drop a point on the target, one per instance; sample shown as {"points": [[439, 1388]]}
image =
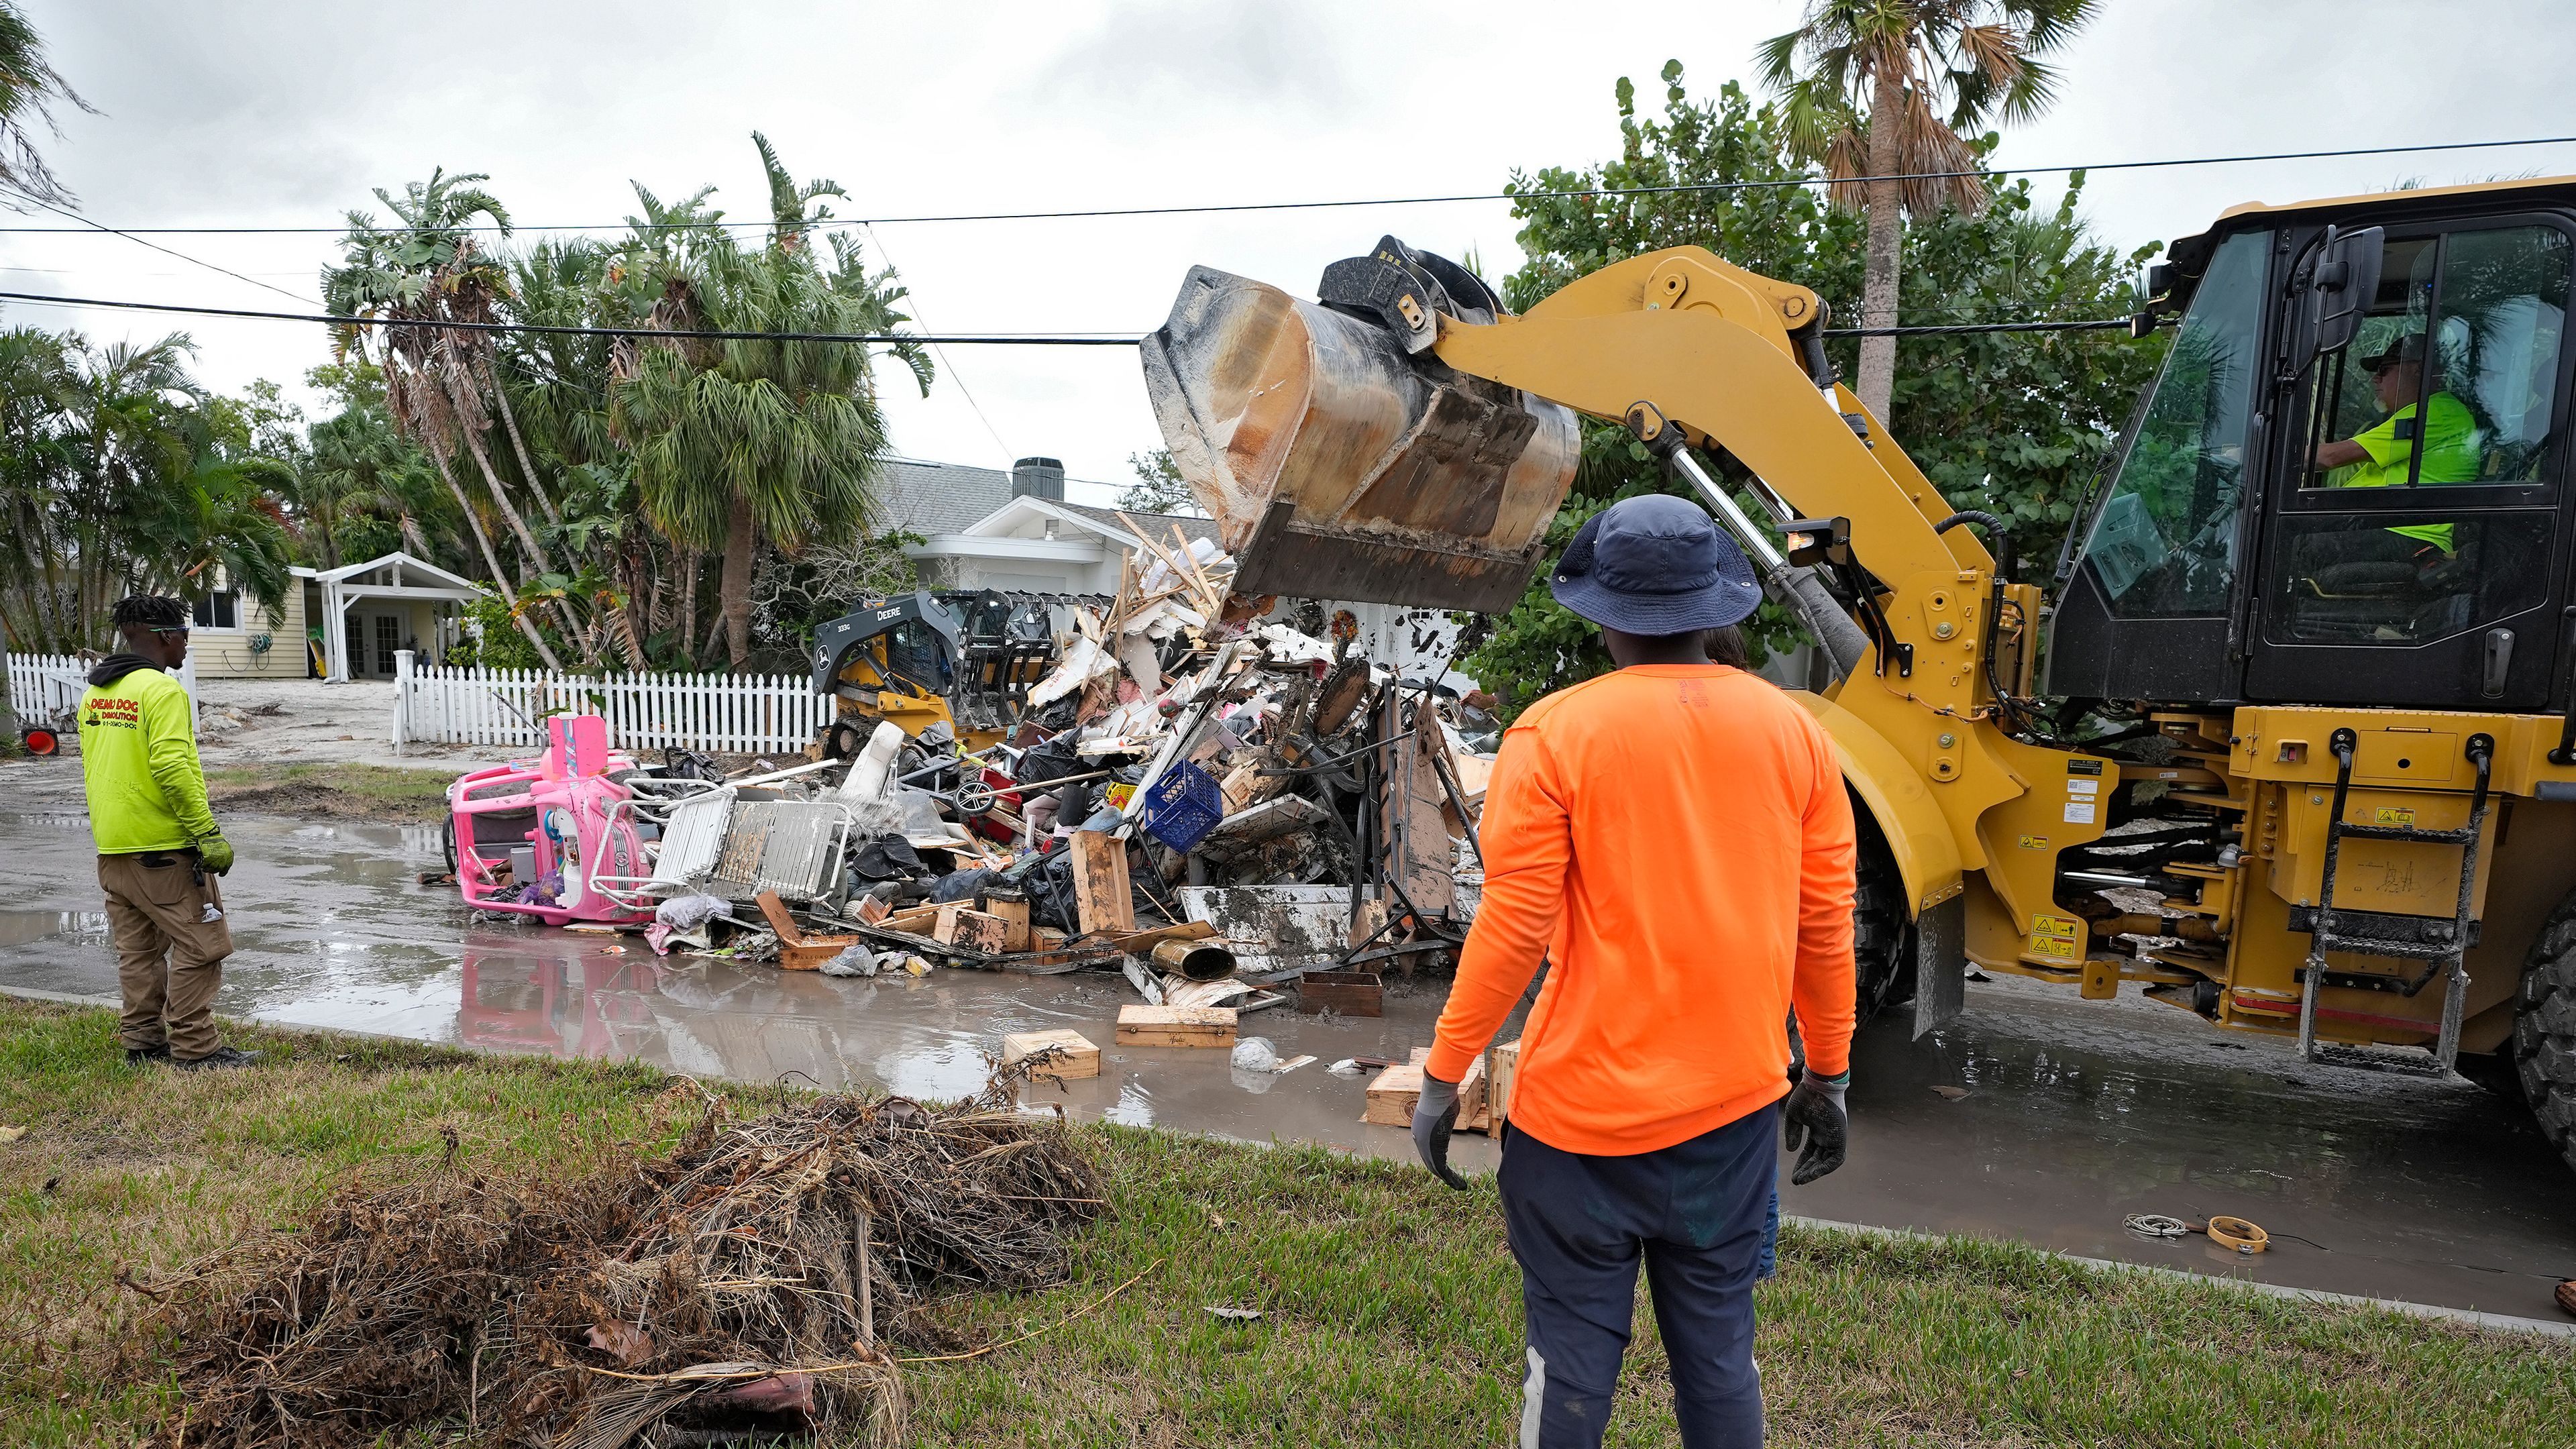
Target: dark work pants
{"points": [[1696, 1212]]}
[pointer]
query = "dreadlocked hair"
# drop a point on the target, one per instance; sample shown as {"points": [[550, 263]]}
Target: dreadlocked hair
{"points": [[149, 611]]}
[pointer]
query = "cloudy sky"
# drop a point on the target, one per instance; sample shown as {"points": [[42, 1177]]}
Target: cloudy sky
{"points": [[287, 113]]}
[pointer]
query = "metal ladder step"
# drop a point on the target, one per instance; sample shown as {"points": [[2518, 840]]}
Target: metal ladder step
{"points": [[2323, 936]]}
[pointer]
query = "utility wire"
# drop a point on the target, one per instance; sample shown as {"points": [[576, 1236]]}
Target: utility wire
{"points": [[1514, 195], [156, 246], [957, 339], [962, 339]]}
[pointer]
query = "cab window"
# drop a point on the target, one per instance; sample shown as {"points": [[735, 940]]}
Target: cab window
{"points": [[2164, 544], [2450, 379], [2450, 383]]}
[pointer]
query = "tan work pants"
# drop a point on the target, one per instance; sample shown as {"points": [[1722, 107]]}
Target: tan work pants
{"points": [[169, 958]]}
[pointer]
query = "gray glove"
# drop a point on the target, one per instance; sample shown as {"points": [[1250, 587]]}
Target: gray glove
{"points": [[1813, 1117], [1435, 1115]]}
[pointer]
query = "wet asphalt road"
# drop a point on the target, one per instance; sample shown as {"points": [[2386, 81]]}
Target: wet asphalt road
{"points": [[2074, 1114]]}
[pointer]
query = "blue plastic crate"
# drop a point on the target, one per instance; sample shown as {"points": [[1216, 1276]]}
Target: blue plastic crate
{"points": [[1182, 806]]}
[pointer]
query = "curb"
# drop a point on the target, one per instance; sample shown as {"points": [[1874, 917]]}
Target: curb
{"points": [[2476, 1318]]}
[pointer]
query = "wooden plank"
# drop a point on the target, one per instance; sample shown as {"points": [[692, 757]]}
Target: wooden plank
{"points": [[981, 931], [1102, 896], [775, 911], [1176, 1026], [944, 925], [917, 920], [873, 911], [1076, 1056]]}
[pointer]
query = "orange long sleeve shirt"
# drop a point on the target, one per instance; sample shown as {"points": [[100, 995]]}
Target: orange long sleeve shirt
{"points": [[1676, 839]]}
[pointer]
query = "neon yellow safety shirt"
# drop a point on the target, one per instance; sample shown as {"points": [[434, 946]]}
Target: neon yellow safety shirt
{"points": [[2451, 455], [138, 743]]}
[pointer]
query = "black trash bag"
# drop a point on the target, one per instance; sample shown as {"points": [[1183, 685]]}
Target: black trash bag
{"points": [[1049, 760], [962, 885], [887, 857], [1047, 880]]}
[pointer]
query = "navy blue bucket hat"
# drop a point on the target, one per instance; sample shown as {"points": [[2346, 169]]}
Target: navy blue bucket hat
{"points": [[1655, 565]]}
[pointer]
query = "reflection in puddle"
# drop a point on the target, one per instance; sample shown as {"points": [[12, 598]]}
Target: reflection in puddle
{"points": [[25, 928]]}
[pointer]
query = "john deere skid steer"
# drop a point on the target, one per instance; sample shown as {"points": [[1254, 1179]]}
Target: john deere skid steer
{"points": [[2302, 760]]}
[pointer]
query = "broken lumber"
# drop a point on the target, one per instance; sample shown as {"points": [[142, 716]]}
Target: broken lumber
{"points": [[1176, 1026], [796, 950], [1070, 1054], [1103, 899]]}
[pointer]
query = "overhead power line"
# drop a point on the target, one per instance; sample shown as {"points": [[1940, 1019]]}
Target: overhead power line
{"points": [[90, 225], [931, 339], [958, 339], [1349, 202]]}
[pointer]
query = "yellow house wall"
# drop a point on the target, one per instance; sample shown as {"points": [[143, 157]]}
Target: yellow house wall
{"points": [[226, 653]]}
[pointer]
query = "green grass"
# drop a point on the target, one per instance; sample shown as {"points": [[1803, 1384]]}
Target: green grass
{"points": [[1391, 1309], [341, 790]]}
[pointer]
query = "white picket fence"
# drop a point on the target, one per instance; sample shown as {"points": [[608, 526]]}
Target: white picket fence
{"points": [[46, 688], [733, 714]]}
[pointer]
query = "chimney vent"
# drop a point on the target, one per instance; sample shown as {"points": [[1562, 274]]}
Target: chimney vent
{"points": [[1038, 478]]}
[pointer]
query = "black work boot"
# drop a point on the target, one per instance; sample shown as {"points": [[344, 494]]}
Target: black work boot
{"points": [[145, 1056], [219, 1057]]}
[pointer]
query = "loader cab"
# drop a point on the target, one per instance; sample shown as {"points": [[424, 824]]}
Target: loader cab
{"points": [[2385, 521]]}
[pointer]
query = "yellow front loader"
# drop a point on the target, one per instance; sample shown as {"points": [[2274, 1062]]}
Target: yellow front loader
{"points": [[2329, 789]]}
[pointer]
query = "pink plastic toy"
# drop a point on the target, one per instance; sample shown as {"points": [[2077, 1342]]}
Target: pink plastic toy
{"points": [[522, 837]]}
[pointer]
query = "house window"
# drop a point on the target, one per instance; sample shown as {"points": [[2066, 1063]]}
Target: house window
{"points": [[219, 610], [388, 639]]}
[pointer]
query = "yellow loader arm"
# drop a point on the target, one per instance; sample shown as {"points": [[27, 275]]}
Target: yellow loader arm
{"points": [[1294, 445], [1970, 814]]}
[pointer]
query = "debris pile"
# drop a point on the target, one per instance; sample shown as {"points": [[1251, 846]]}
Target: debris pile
{"points": [[748, 1283], [1213, 793]]}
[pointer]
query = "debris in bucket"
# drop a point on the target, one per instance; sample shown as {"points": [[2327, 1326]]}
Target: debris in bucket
{"points": [[749, 1284]]}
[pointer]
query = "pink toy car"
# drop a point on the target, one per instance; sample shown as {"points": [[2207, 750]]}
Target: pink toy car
{"points": [[526, 837]]}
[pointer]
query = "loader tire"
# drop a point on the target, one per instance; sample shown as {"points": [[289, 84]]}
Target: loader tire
{"points": [[2544, 1030], [1882, 935]]}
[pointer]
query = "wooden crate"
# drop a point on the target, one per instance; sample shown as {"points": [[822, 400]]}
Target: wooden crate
{"points": [[1392, 1096], [1507, 1066], [1079, 1057], [1352, 993], [1176, 1026]]}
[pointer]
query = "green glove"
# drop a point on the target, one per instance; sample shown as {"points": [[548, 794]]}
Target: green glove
{"points": [[215, 853]]}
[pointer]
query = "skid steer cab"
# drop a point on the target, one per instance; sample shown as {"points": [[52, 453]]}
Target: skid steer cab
{"points": [[962, 660], [2300, 761]]}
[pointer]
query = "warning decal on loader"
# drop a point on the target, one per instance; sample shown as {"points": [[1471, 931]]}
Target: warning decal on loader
{"points": [[2402, 815], [2055, 936]]}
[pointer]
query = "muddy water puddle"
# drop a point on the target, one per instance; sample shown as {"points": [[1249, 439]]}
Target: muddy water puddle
{"points": [[2060, 1119]]}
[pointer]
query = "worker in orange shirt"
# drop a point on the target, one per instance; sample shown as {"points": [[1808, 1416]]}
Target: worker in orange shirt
{"points": [[1674, 838]]}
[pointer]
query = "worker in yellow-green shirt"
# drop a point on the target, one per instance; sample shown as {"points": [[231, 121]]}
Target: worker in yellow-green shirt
{"points": [[159, 849], [2383, 455]]}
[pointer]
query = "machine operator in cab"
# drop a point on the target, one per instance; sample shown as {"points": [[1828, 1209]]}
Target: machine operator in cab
{"points": [[2383, 455]]}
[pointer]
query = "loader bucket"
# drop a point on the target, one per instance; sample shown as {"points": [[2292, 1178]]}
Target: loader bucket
{"points": [[1339, 467]]}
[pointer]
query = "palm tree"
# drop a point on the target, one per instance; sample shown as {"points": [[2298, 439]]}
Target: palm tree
{"points": [[740, 443], [1865, 82], [436, 380], [38, 387], [29, 86]]}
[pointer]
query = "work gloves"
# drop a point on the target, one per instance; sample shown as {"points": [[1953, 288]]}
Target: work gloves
{"points": [[1435, 1115], [215, 853], [1812, 1124]]}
